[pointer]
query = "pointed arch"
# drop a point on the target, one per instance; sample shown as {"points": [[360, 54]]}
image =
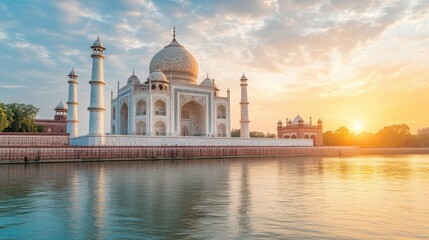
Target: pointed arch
{"points": [[193, 118], [160, 129], [141, 128], [221, 112], [221, 130], [124, 119], [141, 108], [160, 108]]}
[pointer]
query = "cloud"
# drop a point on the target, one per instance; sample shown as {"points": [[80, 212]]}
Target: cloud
{"points": [[3, 35], [74, 12], [39, 51], [11, 86]]}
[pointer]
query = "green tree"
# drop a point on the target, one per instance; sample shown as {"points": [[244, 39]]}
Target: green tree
{"points": [[330, 139], [23, 116], [5, 117], [255, 134], [270, 135], [235, 132], [393, 136]]}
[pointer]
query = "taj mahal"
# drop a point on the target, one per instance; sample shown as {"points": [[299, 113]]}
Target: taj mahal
{"points": [[171, 102], [171, 107]]}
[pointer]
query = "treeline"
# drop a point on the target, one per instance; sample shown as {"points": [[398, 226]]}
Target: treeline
{"points": [[253, 134], [18, 117], [390, 136]]}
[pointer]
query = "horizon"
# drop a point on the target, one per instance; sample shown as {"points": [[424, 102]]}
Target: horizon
{"points": [[361, 65]]}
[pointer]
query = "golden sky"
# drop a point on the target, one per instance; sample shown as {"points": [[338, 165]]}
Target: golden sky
{"points": [[343, 61]]}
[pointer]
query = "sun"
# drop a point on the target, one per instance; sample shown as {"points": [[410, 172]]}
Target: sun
{"points": [[358, 127]]}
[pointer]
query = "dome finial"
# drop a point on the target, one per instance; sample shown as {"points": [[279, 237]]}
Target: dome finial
{"points": [[174, 32], [98, 38], [133, 72]]}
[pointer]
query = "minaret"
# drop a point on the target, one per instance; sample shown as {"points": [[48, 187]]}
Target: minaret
{"points": [[96, 102], [244, 122], [72, 122]]}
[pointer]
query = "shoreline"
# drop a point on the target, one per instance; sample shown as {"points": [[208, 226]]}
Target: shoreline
{"points": [[85, 154], [393, 151], [55, 154]]}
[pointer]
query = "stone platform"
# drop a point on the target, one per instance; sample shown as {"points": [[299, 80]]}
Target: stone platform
{"points": [[163, 141]]}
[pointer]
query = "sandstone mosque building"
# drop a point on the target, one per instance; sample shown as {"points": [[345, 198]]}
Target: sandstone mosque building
{"points": [[169, 108], [299, 129]]}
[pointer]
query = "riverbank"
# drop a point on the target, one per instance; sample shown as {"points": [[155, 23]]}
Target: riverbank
{"points": [[373, 151], [80, 154]]}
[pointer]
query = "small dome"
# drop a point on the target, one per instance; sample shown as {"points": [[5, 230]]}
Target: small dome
{"points": [[61, 106], [157, 75], [209, 83], [98, 43], [133, 79], [319, 121], [72, 72], [279, 122], [297, 120]]}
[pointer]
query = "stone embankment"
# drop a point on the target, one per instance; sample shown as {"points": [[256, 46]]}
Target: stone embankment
{"points": [[73, 154], [371, 151]]}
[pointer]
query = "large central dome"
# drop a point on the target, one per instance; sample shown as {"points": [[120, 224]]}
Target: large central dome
{"points": [[176, 63]]}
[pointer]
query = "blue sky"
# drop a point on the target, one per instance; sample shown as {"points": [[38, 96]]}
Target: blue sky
{"points": [[342, 61]]}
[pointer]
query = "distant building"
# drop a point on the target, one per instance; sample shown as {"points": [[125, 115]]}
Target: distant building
{"points": [[58, 124], [298, 129]]}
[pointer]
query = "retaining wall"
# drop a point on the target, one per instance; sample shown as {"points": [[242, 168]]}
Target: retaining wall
{"points": [[33, 140], [19, 155]]}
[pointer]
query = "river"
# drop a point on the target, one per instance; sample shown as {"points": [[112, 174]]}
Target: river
{"points": [[361, 197]]}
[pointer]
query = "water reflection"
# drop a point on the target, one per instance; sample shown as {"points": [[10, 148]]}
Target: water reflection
{"points": [[304, 197], [245, 202]]}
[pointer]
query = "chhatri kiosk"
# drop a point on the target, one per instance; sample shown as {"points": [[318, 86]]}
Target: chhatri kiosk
{"points": [[169, 108]]}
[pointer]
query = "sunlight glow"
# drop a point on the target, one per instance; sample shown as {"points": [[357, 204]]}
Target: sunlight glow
{"points": [[358, 127]]}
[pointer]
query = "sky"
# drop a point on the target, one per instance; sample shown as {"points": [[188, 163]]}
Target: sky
{"points": [[348, 63]]}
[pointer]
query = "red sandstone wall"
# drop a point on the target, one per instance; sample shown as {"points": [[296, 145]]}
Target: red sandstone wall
{"points": [[70, 153], [33, 140]]}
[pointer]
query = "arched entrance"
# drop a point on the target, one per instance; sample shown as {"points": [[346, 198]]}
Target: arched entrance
{"points": [[124, 119], [141, 128], [160, 128], [192, 120], [221, 130], [314, 139]]}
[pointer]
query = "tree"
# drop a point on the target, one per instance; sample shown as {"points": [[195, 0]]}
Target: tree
{"points": [[5, 117], [393, 136], [255, 134], [330, 139], [270, 135], [22, 117], [235, 132]]}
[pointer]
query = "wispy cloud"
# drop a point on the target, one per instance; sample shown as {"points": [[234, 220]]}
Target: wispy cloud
{"points": [[6, 86], [313, 50]]}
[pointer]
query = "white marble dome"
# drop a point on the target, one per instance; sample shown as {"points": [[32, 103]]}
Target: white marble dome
{"points": [[157, 75], [209, 83], [176, 62], [297, 120], [133, 79], [61, 106]]}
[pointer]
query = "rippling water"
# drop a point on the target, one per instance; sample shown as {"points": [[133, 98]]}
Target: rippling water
{"points": [[371, 197]]}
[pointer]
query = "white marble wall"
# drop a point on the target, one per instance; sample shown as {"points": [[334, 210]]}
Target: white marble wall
{"points": [[133, 140]]}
